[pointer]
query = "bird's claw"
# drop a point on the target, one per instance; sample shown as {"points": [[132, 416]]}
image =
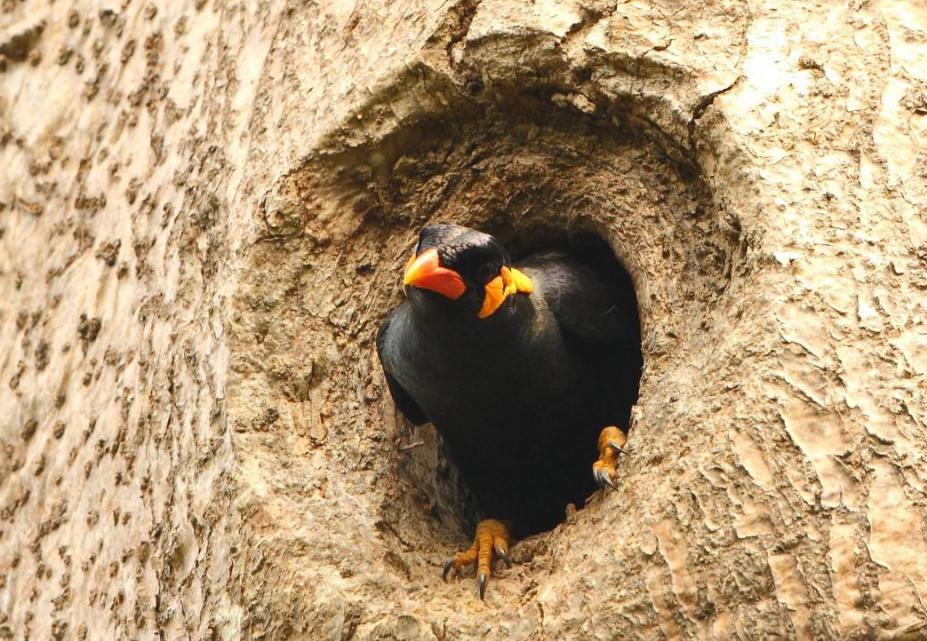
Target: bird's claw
{"points": [[611, 444], [503, 554], [602, 478], [491, 542]]}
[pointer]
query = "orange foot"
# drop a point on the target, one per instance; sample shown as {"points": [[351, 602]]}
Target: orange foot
{"points": [[491, 542], [611, 440]]}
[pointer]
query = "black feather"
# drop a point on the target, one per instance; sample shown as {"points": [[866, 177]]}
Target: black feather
{"points": [[519, 397], [401, 398]]}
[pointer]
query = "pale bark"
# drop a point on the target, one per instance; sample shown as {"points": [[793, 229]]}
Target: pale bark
{"points": [[203, 212]]}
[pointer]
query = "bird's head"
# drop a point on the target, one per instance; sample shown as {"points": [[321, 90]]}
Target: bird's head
{"points": [[461, 270]]}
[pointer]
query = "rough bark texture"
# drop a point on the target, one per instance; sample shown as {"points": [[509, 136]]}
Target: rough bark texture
{"points": [[203, 212]]}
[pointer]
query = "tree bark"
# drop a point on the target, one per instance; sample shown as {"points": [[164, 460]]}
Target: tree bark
{"points": [[204, 209]]}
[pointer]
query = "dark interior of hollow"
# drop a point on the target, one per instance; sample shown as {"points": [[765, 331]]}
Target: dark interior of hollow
{"points": [[573, 481]]}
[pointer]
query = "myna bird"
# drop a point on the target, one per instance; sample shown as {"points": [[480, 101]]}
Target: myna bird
{"points": [[519, 369]]}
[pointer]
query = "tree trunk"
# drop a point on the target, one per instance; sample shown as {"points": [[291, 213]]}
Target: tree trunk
{"points": [[204, 212]]}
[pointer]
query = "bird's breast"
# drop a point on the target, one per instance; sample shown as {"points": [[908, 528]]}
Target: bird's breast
{"points": [[459, 378]]}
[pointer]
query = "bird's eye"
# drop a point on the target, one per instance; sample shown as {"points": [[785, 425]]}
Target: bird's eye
{"points": [[487, 272]]}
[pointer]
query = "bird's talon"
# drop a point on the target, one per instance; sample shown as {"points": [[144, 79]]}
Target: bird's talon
{"points": [[603, 479], [611, 442], [491, 541], [502, 554]]}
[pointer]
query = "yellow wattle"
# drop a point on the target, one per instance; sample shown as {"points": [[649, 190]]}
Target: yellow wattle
{"points": [[522, 282], [495, 294], [509, 281]]}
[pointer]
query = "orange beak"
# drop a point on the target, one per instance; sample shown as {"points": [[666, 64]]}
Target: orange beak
{"points": [[425, 272]]}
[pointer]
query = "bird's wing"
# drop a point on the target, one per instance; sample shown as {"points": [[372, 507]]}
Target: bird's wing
{"points": [[581, 300], [401, 398]]}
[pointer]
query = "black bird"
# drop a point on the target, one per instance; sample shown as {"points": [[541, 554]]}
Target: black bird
{"points": [[519, 369]]}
